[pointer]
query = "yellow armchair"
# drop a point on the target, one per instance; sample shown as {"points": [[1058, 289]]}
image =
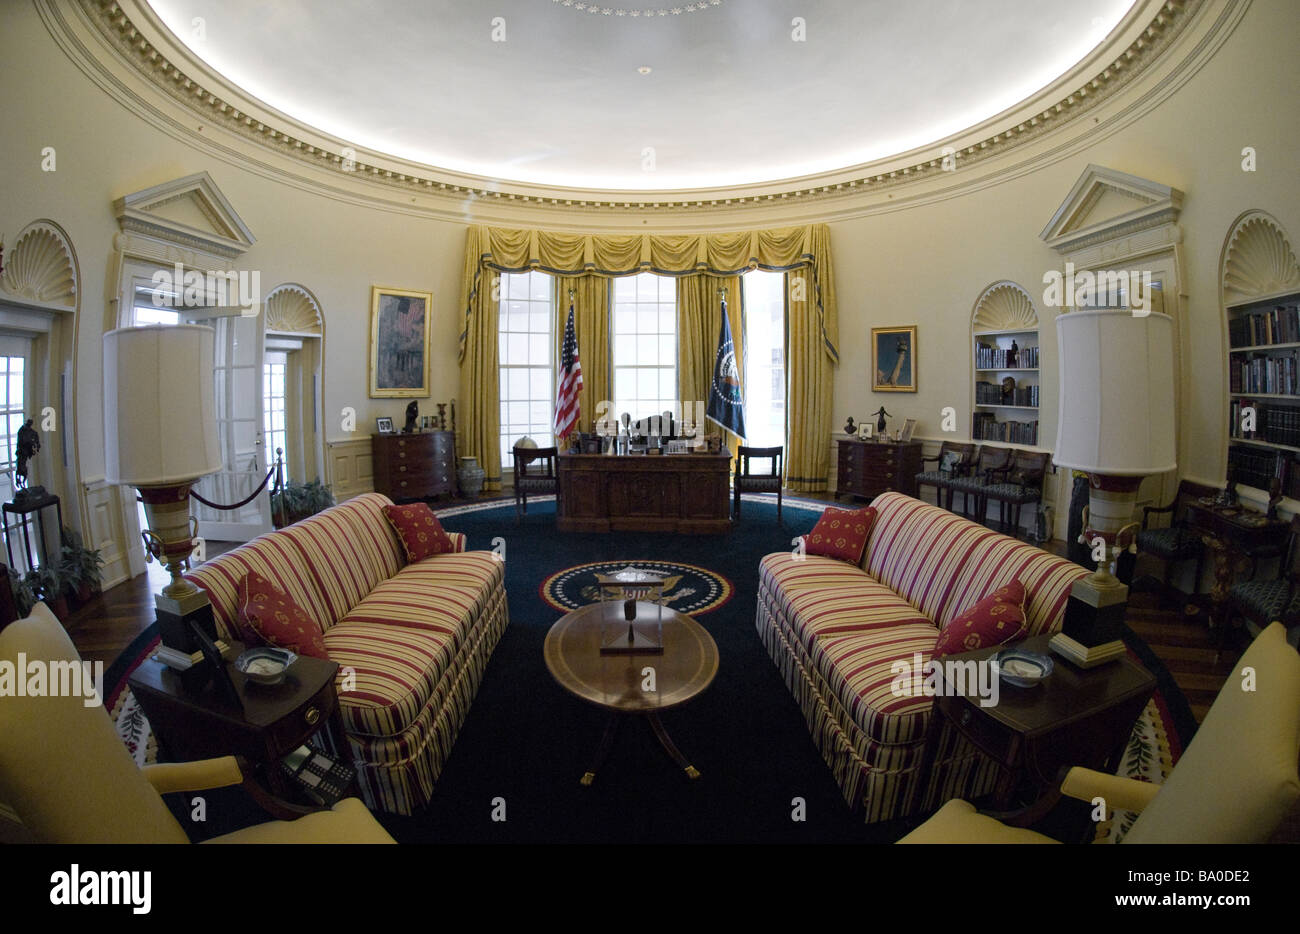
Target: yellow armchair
{"points": [[67, 777], [1234, 784]]}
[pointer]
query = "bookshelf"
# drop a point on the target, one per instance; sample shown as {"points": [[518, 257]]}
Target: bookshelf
{"points": [[1005, 390], [1264, 377]]}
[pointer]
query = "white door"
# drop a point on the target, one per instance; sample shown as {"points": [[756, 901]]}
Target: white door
{"points": [[237, 370]]}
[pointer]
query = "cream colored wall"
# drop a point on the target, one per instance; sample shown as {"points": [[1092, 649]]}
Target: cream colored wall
{"points": [[922, 264], [927, 265], [336, 249]]}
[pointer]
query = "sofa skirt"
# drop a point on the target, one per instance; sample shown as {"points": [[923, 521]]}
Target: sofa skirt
{"points": [[397, 773], [880, 780]]}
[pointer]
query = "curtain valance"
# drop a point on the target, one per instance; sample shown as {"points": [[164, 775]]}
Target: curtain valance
{"points": [[506, 249]]}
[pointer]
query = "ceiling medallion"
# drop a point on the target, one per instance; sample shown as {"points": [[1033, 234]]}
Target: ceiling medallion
{"points": [[583, 7]]}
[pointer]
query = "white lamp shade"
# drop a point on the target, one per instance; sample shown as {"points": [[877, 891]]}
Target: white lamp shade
{"points": [[1116, 414], [160, 424]]}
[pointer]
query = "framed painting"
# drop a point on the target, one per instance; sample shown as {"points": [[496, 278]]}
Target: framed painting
{"points": [[399, 343], [893, 359]]}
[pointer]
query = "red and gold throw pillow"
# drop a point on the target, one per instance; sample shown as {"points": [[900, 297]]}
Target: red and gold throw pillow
{"points": [[841, 533], [420, 531], [996, 620], [275, 616]]}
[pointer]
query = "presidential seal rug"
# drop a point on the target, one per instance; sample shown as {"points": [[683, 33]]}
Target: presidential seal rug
{"points": [[688, 588]]}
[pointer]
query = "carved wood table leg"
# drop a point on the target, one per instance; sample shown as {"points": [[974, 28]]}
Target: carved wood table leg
{"points": [[667, 742]]}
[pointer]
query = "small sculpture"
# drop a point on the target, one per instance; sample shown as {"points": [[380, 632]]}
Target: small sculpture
{"points": [[412, 413], [442, 416], [850, 428], [880, 422], [1274, 497], [1013, 356], [28, 444]]}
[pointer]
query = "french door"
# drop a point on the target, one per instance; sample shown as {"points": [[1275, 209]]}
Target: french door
{"points": [[237, 371]]}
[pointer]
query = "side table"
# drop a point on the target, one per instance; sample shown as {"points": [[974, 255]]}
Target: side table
{"points": [[1076, 716], [276, 719], [23, 506]]}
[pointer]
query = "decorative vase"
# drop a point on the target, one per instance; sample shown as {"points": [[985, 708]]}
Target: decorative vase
{"points": [[470, 476]]}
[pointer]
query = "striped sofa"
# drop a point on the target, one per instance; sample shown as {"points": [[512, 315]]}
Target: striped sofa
{"points": [[411, 641], [835, 629]]}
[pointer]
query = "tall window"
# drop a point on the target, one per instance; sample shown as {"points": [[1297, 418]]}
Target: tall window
{"points": [[145, 312], [645, 345], [527, 360], [13, 397], [764, 352], [273, 384]]}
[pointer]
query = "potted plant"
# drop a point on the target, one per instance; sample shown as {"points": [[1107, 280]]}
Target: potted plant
{"points": [[80, 568], [24, 595], [46, 582], [298, 501]]}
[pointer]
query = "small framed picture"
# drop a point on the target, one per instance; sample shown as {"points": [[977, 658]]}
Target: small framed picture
{"points": [[909, 426], [384, 425], [866, 431]]}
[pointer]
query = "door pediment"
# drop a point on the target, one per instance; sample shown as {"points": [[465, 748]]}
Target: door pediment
{"points": [[1105, 204], [190, 211]]}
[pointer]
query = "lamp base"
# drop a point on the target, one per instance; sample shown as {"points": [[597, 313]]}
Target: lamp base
{"points": [[1085, 656]]}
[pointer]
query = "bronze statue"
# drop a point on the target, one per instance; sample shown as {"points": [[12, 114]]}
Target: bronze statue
{"points": [[412, 413], [28, 444], [880, 422]]}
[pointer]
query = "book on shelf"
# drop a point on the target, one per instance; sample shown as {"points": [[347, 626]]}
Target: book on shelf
{"points": [[1281, 325], [1275, 424], [989, 357], [986, 427]]}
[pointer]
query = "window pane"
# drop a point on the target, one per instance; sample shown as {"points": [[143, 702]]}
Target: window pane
{"points": [[647, 288], [647, 351], [540, 383], [625, 289], [518, 385]]}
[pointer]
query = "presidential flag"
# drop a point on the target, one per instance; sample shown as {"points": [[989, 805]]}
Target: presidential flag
{"points": [[726, 405], [567, 411]]}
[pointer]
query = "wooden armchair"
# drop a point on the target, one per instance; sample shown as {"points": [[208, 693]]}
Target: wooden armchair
{"points": [[1018, 483], [1175, 541], [750, 482], [954, 459], [978, 480], [1265, 602], [537, 480]]}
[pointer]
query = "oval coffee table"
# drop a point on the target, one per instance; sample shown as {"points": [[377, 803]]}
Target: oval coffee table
{"points": [[614, 682]]}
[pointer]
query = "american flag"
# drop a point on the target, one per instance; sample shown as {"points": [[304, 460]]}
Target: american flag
{"points": [[567, 411]]}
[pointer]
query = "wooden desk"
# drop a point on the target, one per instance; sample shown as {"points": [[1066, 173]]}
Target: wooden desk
{"points": [[644, 493]]}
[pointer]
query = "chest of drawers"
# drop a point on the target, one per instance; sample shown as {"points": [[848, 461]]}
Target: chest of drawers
{"points": [[414, 466], [866, 468]]}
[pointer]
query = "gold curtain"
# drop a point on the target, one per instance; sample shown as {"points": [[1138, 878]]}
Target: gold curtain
{"points": [[802, 252], [591, 315], [479, 417], [699, 318]]}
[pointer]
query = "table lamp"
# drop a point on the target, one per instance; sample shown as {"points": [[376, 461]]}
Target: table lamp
{"points": [[1116, 424], [160, 436]]}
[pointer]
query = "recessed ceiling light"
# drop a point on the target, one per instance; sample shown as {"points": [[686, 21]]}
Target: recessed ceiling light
{"points": [[644, 70]]}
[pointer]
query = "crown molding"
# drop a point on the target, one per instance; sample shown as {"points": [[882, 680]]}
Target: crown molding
{"points": [[274, 145]]}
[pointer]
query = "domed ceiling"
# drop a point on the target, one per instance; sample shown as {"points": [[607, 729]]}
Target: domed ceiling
{"points": [[635, 96]]}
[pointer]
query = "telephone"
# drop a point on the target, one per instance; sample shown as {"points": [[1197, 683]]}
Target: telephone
{"points": [[321, 778]]}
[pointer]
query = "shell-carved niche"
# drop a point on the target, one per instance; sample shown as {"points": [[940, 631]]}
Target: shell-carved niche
{"points": [[1004, 306], [1258, 260], [291, 307], [41, 266]]}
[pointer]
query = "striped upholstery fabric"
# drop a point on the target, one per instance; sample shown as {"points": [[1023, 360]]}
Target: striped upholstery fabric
{"points": [[411, 641], [350, 548], [275, 558], [836, 632]]}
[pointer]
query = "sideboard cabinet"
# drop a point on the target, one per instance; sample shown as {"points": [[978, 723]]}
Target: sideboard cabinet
{"points": [[415, 466], [869, 468]]}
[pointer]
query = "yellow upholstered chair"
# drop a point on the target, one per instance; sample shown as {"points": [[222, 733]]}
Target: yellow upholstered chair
{"points": [[65, 774], [1234, 784]]}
